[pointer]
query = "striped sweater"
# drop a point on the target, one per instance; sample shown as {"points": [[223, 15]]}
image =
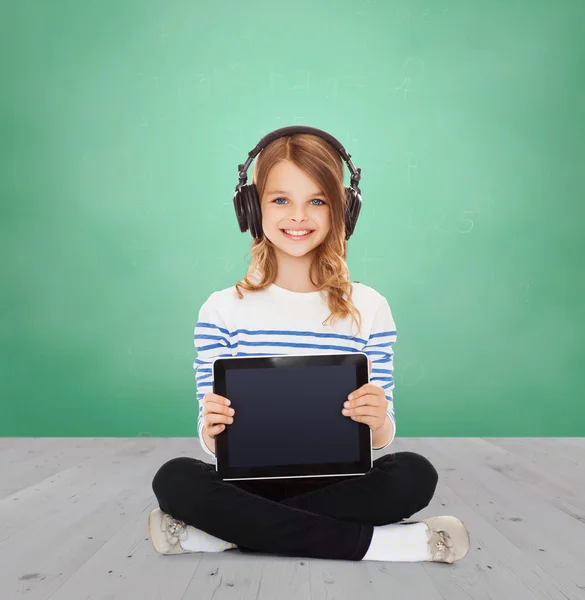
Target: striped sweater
{"points": [[277, 321]]}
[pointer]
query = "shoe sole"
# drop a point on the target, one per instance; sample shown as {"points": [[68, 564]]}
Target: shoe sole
{"points": [[150, 531]]}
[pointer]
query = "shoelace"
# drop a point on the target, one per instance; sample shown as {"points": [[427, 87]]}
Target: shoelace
{"points": [[176, 530]]}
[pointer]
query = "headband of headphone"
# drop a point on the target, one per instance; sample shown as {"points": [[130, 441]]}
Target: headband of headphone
{"points": [[247, 202]]}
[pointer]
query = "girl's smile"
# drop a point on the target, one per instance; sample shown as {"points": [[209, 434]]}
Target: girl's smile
{"points": [[296, 238]]}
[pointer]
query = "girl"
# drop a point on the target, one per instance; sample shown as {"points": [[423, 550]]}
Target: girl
{"points": [[297, 277]]}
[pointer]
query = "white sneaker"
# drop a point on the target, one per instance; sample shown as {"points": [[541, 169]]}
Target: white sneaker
{"points": [[166, 533], [448, 538]]}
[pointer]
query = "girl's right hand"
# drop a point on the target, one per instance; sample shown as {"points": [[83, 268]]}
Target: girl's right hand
{"points": [[216, 414]]}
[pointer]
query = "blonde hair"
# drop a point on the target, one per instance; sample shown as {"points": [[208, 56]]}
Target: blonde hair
{"points": [[322, 163]]}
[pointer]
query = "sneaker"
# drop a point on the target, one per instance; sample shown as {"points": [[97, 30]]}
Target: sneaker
{"points": [[166, 533], [448, 538]]}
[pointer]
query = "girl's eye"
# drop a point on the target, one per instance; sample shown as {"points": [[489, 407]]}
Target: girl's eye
{"points": [[319, 199]]}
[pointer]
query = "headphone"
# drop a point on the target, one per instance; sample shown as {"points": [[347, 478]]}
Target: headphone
{"points": [[247, 202]]}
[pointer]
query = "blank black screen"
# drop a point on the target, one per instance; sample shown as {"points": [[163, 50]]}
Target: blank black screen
{"points": [[290, 416]]}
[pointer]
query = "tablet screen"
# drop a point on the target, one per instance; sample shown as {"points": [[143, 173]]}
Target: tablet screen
{"points": [[288, 419], [294, 417]]}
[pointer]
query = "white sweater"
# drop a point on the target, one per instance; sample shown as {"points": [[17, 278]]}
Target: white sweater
{"points": [[278, 321]]}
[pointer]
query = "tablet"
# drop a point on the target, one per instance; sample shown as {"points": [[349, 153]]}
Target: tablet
{"points": [[288, 421]]}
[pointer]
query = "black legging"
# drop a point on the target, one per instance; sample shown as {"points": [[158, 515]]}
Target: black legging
{"points": [[327, 517]]}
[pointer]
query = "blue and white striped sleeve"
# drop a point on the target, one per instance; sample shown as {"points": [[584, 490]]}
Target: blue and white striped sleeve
{"points": [[212, 340], [379, 349]]}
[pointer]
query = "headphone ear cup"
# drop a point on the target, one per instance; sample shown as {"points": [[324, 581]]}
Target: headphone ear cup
{"points": [[239, 206], [254, 212], [353, 203]]}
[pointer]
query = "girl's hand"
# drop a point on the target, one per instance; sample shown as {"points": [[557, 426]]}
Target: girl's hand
{"points": [[216, 414], [368, 404]]}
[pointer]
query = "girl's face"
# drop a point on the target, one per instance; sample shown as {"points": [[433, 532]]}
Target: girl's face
{"points": [[292, 200]]}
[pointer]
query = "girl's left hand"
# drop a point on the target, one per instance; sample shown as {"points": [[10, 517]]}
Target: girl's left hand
{"points": [[368, 405]]}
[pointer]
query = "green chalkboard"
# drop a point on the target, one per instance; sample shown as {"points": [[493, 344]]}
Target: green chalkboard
{"points": [[122, 125]]}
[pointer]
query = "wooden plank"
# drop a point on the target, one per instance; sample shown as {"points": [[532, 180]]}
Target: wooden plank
{"points": [[35, 459], [544, 534], [61, 522], [47, 528], [560, 462], [494, 566]]}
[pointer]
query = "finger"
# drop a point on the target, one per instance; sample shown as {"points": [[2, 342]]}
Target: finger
{"points": [[215, 419], [369, 421], [365, 400], [367, 388], [211, 397], [222, 419], [364, 411], [215, 430], [214, 408]]}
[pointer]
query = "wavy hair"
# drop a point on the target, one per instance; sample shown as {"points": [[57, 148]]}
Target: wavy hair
{"points": [[322, 163]]}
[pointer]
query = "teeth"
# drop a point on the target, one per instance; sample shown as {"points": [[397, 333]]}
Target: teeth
{"points": [[299, 233]]}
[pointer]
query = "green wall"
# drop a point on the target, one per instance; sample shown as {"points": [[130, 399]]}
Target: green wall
{"points": [[122, 125]]}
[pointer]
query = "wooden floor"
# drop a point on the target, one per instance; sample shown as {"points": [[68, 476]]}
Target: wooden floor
{"points": [[73, 525]]}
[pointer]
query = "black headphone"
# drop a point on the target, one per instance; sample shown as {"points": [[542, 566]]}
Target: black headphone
{"points": [[247, 203]]}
